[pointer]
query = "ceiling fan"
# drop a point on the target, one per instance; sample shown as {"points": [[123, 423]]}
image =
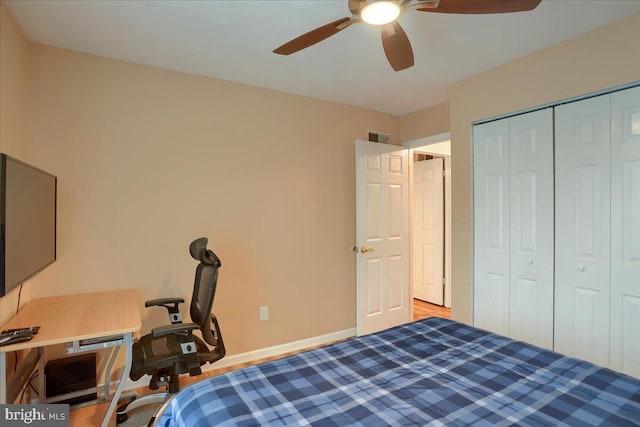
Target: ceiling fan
{"points": [[383, 13]]}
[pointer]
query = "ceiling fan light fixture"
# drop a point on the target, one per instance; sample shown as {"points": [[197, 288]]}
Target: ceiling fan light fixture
{"points": [[380, 12]]}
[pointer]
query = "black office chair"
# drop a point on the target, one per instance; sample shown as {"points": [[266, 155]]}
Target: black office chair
{"points": [[169, 351]]}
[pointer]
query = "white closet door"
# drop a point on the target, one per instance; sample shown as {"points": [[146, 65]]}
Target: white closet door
{"points": [[625, 231], [491, 226], [582, 251], [531, 227]]}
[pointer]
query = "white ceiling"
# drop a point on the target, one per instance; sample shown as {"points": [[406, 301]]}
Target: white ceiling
{"points": [[233, 40]]}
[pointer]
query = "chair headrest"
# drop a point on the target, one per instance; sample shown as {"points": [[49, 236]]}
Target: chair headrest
{"points": [[199, 252]]}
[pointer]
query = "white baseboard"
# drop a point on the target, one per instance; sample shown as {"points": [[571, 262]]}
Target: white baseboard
{"points": [[262, 353]]}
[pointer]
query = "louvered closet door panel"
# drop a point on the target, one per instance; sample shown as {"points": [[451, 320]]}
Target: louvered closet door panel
{"points": [[491, 227], [625, 231], [582, 251], [531, 227]]}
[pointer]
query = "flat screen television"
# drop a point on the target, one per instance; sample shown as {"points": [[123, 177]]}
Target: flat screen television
{"points": [[28, 213]]}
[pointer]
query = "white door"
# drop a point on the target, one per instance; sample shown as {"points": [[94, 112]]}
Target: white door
{"points": [[491, 226], [428, 231], [382, 236], [625, 231], [531, 227], [582, 245]]}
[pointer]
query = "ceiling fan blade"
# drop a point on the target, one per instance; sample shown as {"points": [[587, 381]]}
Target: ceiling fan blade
{"points": [[481, 6], [396, 46], [313, 36], [354, 6]]}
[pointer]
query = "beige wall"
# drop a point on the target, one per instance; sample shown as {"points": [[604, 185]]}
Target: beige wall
{"points": [[14, 91], [427, 122], [14, 85], [149, 159], [598, 60]]}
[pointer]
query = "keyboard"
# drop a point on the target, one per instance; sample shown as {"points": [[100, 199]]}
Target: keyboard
{"points": [[100, 340]]}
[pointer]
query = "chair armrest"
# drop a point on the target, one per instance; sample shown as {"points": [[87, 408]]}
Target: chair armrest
{"points": [[184, 328], [173, 310], [163, 301]]}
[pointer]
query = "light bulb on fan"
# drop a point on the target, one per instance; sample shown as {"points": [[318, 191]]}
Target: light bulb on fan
{"points": [[380, 12]]}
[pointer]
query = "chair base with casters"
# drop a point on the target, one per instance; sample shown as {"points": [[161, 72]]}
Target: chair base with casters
{"points": [[139, 401], [171, 350]]}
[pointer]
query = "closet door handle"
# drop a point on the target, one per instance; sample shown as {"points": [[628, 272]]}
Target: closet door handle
{"points": [[581, 267], [530, 261]]}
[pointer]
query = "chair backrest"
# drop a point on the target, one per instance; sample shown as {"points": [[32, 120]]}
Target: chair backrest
{"points": [[204, 287]]}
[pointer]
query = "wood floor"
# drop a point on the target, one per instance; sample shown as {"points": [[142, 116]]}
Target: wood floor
{"points": [[92, 415], [422, 310]]}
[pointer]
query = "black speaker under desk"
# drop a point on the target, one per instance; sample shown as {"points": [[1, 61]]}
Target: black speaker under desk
{"points": [[71, 374]]}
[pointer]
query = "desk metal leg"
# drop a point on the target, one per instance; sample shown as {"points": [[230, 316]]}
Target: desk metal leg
{"points": [[128, 343], [3, 377], [112, 359]]}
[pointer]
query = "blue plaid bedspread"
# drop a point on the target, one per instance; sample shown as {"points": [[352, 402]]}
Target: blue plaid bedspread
{"points": [[433, 372]]}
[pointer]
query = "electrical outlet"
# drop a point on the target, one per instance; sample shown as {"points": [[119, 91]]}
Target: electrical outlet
{"points": [[264, 313]]}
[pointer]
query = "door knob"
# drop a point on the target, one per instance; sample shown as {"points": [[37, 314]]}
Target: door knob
{"points": [[581, 267], [362, 250]]}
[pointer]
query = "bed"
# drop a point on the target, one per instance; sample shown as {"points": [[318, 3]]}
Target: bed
{"points": [[431, 372]]}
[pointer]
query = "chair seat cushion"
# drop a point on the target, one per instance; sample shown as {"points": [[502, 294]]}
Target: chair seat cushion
{"points": [[163, 356]]}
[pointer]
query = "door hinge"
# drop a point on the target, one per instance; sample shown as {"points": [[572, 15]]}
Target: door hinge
{"points": [[444, 281]]}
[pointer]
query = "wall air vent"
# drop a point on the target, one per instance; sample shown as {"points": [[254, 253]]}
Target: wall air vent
{"points": [[382, 138]]}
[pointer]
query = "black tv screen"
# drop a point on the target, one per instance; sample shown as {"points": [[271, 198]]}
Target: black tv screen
{"points": [[28, 211]]}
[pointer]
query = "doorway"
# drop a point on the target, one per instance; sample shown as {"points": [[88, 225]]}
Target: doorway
{"points": [[430, 183]]}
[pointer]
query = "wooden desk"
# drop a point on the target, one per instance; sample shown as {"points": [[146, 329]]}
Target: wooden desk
{"points": [[70, 319]]}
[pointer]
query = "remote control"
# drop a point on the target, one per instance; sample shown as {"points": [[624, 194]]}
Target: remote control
{"points": [[16, 338], [30, 329]]}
